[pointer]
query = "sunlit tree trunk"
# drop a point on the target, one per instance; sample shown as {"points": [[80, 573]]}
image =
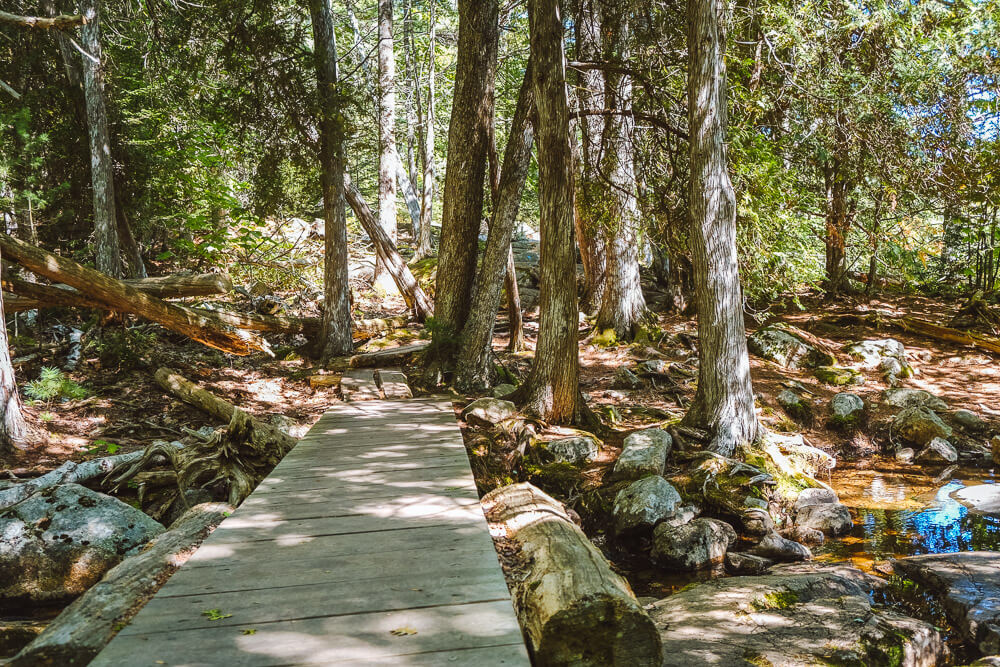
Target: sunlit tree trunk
{"points": [[105, 230], [388, 157], [12, 426], [427, 196], [474, 369], [551, 390], [468, 143], [335, 332], [623, 304], [723, 402], [410, 76]]}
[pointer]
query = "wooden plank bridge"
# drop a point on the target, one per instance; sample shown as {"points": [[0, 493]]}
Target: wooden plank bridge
{"points": [[365, 545]]}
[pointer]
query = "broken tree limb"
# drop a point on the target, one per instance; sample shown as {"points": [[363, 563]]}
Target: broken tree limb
{"points": [[219, 408], [393, 356], [416, 299], [29, 296], [61, 22], [915, 325], [308, 326], [120, 297], [85, 627], [572, 607]]}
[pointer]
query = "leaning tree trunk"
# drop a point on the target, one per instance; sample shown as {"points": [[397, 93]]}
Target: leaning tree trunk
{"points": [[723, 402], [427, 196], [335, 337], [12, 426], [474, 368], [590, 189], [623, 305], [468, 143], [105, 230], [388, 157], [552, 388]]}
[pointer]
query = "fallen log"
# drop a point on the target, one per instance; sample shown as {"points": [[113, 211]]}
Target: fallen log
{"points": [[85, 627], [416, 299], [915, 325], [393, 356], [60, 22], [219, 408], [30, 296], [203, 326], [572, 607], [308, 326]]}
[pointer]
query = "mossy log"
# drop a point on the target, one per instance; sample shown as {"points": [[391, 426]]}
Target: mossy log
{"points": [[573, 608], [85, 627]]}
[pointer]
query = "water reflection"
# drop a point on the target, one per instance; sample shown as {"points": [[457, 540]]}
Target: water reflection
{"points": [[899, 513]]}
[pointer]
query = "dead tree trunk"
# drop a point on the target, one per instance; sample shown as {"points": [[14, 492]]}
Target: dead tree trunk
{"points": [[388, 157], [85, 627], [335, 336], [552, 388], [474, 368], [573, 608], [12, 425], [416, 299], [723, 402], [468, 143], [117, 296], [107, 251]]}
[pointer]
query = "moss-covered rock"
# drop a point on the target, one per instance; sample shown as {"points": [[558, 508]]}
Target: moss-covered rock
{"points": [[837, 376], [784, 346]]}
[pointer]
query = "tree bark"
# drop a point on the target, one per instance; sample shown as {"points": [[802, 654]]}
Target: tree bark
{"points": [[335, 335], [573, 608], [388, 156], [723, 403], [552, 388], [424, 248], [474, 368], [85, 627], [416, 299], [12, 425], [117, 296], [134, 265], [106, 247], [623, 305], [468, 143]]}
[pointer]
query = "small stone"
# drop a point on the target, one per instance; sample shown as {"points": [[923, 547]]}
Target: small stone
{"points": [[995, 449], [904, 397], [654, 367], [830, 518], [819, 496], [746, 564], [969, 420], [756, 522], [643, 453], [626, 379], [753, 501], [575, 449], [920, 425], [681, 516], [803, 535], [642, 504], [488, 411], [797, 407], [938, 450], [905, 455], [837, 376], [693, 546], [847, 409], [502, 390], [776, 547]]}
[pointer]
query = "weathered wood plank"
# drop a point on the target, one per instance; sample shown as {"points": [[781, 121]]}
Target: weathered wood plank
{"points": [[359, 385], [393, 384]]}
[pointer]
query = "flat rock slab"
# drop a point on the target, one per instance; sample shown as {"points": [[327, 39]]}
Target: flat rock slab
{"points": [[366, 545], [968, 585], [984, 499], [393, 384], [359, 385], [799, 615]]}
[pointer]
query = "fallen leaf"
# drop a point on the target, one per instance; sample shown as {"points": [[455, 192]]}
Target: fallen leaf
{"points": [[250, 631], [405, 631]]}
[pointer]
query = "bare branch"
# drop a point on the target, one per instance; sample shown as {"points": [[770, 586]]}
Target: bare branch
{"points": [[61, 22], [649, 118], [13, 93]]}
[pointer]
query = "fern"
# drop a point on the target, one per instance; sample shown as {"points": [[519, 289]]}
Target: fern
{"points": [[52, 384]]}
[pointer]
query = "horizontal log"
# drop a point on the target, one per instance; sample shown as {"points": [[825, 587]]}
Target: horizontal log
{"points": [[573, 608], [85, 627], [61, 22], [202, 326], [393, 356], [30, 296]]}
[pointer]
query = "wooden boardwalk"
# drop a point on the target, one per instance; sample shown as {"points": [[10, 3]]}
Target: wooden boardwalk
{"points": [[365, 545]]}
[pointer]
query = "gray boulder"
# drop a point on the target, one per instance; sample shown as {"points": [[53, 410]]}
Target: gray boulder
{"points": [[938, 450], [981, 499], [797, 615], [818, 496], [756, 522], [905, 454], [777, 344], [846, 409], [829, 518], [969, 421], [920, 425], [871, 353], [797, 407], [803, 535], [502, 390], [776, 547], [575, 449], [642, 504], [488, 411], [739, 563], [58, 543], [904, 397], [692, 546], [643, 453]]}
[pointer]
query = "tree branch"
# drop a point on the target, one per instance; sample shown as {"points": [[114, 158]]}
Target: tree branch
{"points": [[655, 120], [61, 22]]}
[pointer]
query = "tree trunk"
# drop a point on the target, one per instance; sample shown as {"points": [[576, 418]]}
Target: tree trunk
{"points": [[515, 319], [410, 77], [12, 426], [85, 627], [135, 266], [416, 300], [468, 143], [474, 368], [424, 248], [572, 606], [388, 157], [204, 327], [552, 388], [107, 252], [723, 403], [590, 187], [335, 335]]}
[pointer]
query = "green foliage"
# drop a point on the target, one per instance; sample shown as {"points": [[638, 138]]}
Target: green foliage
{"points": [[52, 384]]}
